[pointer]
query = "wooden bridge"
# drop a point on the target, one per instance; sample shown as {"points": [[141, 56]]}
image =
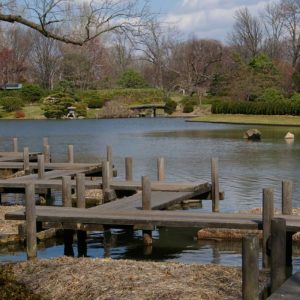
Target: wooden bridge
{"points": [[153, 106]]}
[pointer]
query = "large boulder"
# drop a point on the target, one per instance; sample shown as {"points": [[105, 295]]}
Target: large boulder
{"points": [[252, 134]]}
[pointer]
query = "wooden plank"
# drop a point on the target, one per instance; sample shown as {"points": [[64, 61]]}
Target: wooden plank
{"points": [[289, 290], [51, 166]]}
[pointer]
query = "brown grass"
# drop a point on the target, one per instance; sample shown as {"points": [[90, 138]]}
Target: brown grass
{"points": [[85, 278]]}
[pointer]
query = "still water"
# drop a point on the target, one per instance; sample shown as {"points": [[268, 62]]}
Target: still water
{"points": [[245, 169]]}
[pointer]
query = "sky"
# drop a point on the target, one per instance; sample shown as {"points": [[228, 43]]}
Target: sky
{"points": [[211, 19]]}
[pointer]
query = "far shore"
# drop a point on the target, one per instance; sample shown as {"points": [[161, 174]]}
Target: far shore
{"points": [[278, 120]]}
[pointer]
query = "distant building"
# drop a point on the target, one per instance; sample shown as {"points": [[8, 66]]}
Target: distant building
{"points": [[11, 86]]}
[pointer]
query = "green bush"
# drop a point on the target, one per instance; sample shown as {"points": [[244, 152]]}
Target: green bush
{"points": [[56, 105], [282, 107], [32, 93], [188, 108], [193, 100], [270, 95], [295, 97], [170, 106], [132, 79], [81, 109], [10, 103]]}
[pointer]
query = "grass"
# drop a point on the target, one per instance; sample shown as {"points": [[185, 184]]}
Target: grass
{"points": [[249, 119], [31, 112]]}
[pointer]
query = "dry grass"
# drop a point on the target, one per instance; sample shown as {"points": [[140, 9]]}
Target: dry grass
{"points": [[85, 278], [7, 226]]}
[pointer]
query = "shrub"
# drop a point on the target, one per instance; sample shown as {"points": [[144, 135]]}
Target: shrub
{"points": [[170, 106], [193, 100], [270, 95], [32, 93], [10, 104], [295, 97], [20, 114], [81, 109], [132, 79], [188, 108]]}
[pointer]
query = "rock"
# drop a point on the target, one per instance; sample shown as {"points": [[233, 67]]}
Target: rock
{"points": [[252, 134], [289, 136]]}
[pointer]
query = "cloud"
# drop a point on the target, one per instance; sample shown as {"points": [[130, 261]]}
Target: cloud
{"points": [[209, 18]]}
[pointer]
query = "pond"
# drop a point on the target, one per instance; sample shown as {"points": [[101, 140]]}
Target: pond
{"points": [[245, 169]]}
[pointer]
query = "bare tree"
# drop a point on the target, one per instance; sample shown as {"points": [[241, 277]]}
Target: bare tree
{"points": [[247, 34], [79, 21]]}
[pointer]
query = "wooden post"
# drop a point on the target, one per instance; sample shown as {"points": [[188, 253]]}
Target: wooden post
{"points": [[146, 193], [267, 215], [45, 141], [128, 169], [31, 243], [26, 160], [287, 187], [66, 191], [71, 154], [109, 158], [41, 166], [278, 253], [215, 185], [250, 268], [15, 144], [161, 169], [80, 190], [47, 153], [108, 193]]}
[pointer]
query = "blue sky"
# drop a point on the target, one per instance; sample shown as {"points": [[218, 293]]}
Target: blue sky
{"points": [[204, 18]]}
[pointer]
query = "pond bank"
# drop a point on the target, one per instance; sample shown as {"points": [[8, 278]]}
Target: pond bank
{"points": [[249, 119], [86, 278]]}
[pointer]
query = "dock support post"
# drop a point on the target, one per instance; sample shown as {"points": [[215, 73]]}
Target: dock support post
{"points": [[70, 154], [109, 158], [107, 241], [250, 268], [26, 160], [46, 151], [81, 243], [108, 194], [146, 205], [31, 242], [215, 185], [15, 144], [287, 209], [80, 190], [128, 169], [267, 215], [66, 191], [41, 166], [161, 169], [278, 253]]}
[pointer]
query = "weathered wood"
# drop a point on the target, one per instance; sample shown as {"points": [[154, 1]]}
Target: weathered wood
{"points": [[66, 191], [215, 185], [70, 154], [161, 169], [47, 153], [15, 144], [287, 187], [250, 268], [278, 253], [289, 290], [80, 190], [128, 168], [268, 213], [146, 193], [109, 158], [41, 166], [45, 141], [31, 242], [26, 160], [147, 237]]}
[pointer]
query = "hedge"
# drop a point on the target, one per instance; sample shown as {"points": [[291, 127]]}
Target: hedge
{"points": [[283, 107]]}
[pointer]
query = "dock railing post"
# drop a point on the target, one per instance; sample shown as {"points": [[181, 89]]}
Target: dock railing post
{"points": [[250, 268], [31, 239], [267, 215], [70, 154], [215, 190], [287, 209], [26, 160], [66, 191], [46, 151], [45, 141], [146, 205], [128, 169], [41, 166], [161, 169], [108, 193], [15, 144], [80, 190], [109, 158], [278, 253]]}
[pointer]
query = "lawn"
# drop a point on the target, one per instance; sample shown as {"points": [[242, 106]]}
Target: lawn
{"points": [[249, 119]]}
